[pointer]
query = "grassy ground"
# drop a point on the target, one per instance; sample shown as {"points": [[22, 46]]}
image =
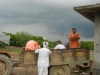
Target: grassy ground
{"points": [[15, 50], [12, 49]]}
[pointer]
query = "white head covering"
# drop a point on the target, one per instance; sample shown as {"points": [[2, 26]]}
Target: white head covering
{"points": [[45, 44]]}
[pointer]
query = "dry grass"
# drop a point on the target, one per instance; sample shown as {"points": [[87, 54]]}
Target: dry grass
{"points": [[15, 49]]}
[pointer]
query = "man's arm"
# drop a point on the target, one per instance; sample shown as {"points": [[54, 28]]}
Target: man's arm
{"points": [[50, 52], [70, 38], [77, 37]]}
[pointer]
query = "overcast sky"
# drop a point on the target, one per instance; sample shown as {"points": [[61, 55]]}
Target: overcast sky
{"points": [[52, 19]]}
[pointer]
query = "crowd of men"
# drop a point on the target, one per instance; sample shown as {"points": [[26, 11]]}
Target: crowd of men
{"points": [[43, 53]]}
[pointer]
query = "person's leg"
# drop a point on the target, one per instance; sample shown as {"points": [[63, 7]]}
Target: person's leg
{"points": [[45, 71], [40, 70]]}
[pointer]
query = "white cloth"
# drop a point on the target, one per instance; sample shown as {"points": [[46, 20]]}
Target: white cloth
{"points": [[43, 57], [45, 44], [42, 70], [60, 46]]}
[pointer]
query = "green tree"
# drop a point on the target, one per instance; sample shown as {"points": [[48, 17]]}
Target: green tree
{"points": [[87, 44], [52, 44], [22, 38]]}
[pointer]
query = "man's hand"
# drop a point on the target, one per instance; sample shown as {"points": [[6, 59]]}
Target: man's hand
{"points": [[74, 38]]}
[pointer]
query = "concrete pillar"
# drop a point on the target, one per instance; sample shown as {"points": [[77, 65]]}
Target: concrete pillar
{"points": [[96, 67]]}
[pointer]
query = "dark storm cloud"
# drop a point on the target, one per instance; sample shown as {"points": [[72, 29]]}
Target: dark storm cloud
{"points": [[63, 24], [57, 16], [84, 28]]}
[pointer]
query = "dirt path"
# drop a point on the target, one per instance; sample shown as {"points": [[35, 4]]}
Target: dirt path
{"points": [[32, 70]]}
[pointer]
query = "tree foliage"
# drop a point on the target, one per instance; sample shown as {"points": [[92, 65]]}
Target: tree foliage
{"points": [[87, 44], [21, 38]]}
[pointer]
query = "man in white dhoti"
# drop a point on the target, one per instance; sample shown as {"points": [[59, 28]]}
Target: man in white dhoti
{"points": [[43, 59]]}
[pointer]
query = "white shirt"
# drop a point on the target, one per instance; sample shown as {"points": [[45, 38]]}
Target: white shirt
{"points": [[60, 46], [43, 57]]}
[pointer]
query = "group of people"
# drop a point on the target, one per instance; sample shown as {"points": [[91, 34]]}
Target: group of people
{"points": [[73, 38], [43, 53]]}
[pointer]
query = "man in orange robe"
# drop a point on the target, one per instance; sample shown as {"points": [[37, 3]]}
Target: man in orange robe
{"points": [[31, 45], [73, 38]]}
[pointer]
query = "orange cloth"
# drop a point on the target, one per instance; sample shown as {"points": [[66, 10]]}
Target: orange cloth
{"points": [[31, 45], [74, 43]]}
